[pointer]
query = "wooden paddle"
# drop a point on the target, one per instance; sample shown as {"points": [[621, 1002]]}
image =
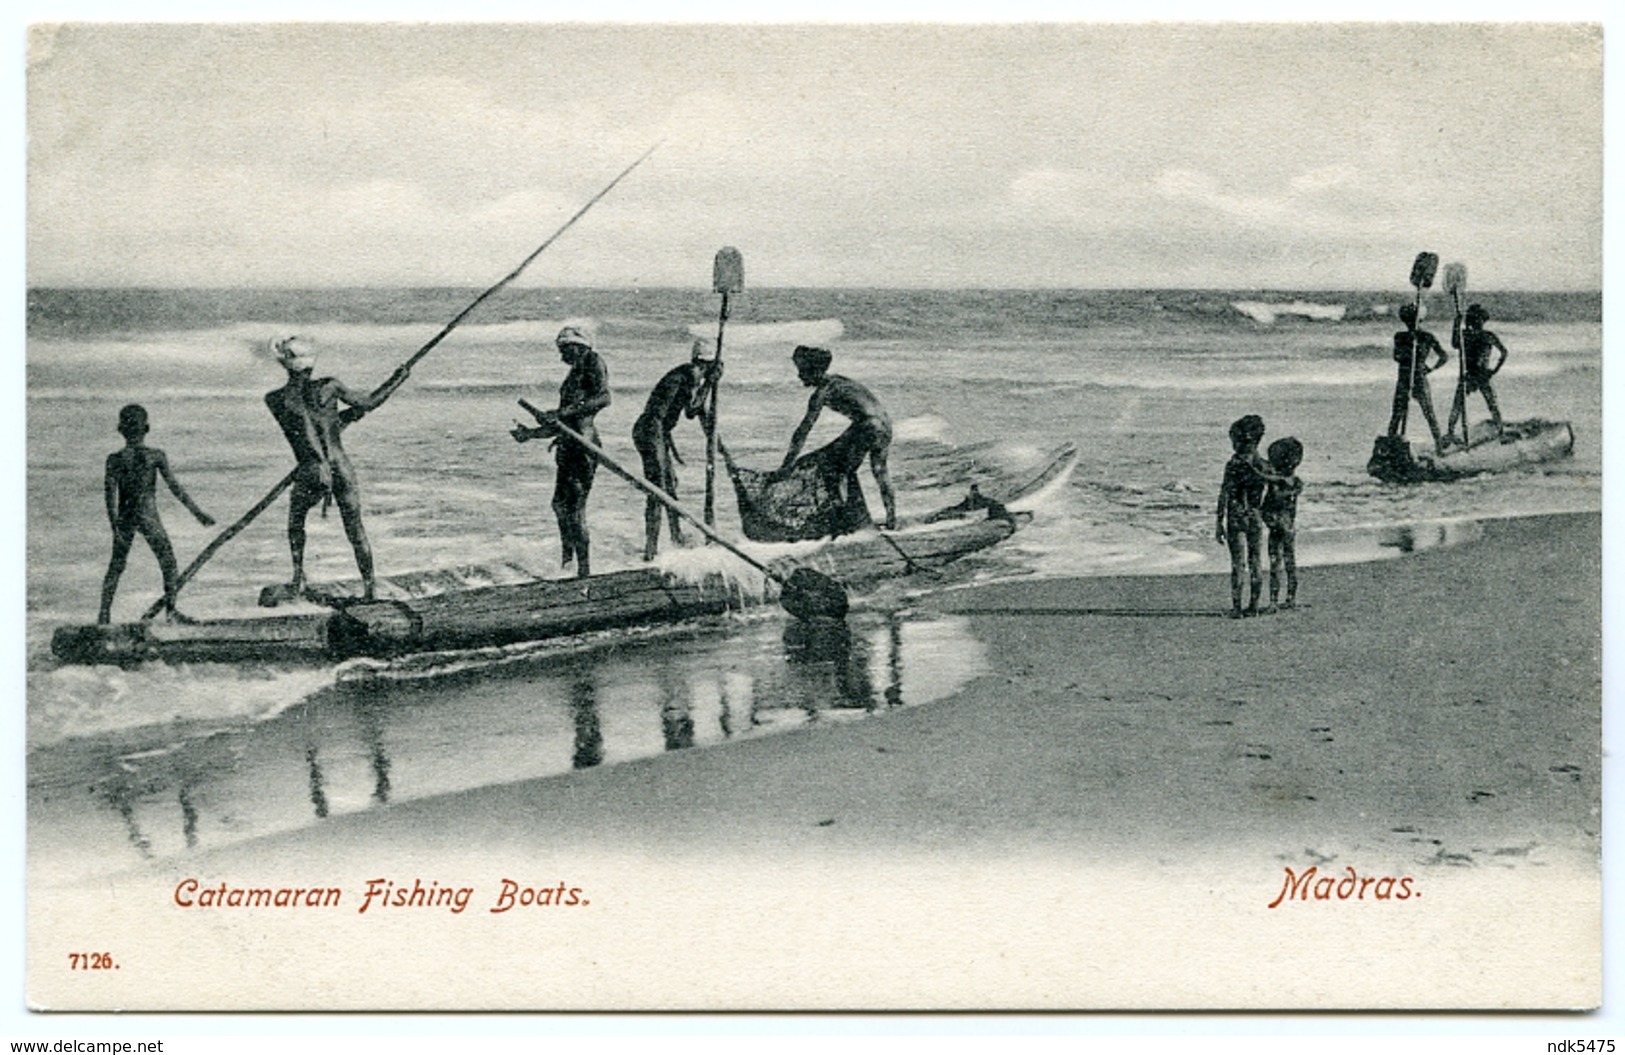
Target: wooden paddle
{"points": [[282, 485], [805, 593], [1455, 280], [727, 277], [1422, 271]]}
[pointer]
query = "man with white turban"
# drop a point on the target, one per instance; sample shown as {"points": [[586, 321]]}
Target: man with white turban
{"points": [[682, 391], [309, 412]]}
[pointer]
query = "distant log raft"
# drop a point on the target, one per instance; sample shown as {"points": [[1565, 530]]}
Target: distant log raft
{"points": [[1525, 443]]}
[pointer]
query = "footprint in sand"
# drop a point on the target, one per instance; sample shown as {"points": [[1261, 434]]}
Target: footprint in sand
{"points": [[1513, 851], [1443, 857]]}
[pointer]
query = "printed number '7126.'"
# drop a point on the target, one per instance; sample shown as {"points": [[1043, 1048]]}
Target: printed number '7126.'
{"points": [[91, 961]]}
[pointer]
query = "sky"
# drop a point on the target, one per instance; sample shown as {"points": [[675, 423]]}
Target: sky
{"points": [[1292, 156]]}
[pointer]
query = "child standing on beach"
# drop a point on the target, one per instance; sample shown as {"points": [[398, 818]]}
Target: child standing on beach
{"points": [[1280, 515], [131, 488], [1239, 521]]}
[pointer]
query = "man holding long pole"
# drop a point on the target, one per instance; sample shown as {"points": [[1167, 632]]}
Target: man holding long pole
{"points": [[272, 495], [313, 421]]}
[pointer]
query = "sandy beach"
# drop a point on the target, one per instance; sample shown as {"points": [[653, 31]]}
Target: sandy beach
{"points": [[1103, 820]]}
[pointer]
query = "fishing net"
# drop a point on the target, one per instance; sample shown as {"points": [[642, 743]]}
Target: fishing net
{"points": [[805, 503]]}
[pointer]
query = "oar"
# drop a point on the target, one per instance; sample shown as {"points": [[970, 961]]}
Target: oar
{"points": [[1455, 280], [727, 277], [260, 506], [805, 594], [1422, 271]]}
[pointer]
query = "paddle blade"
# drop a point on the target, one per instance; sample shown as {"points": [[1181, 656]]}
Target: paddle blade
{"points": [[808, 594], [728, 271], [1423, 270], [1455, 277]]}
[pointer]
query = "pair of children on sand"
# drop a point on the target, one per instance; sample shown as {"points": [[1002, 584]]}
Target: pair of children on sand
{"points": [[1256, 495]]}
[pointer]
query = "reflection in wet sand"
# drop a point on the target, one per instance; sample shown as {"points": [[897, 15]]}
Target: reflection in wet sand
{"points": [[676, 713], [589, 731], [318, 797], [371, 717], [826, 667], [357, 746]]}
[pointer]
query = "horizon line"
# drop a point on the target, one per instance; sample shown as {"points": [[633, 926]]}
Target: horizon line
{"points": [[375, 287]]}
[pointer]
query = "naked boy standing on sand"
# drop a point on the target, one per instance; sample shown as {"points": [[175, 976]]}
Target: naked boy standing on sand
{"points": [[131, 488], [310, 415], [1239, 523], [1280, 516]]}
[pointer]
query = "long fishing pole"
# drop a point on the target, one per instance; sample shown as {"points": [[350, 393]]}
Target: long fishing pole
{"points": [[282, 485]]}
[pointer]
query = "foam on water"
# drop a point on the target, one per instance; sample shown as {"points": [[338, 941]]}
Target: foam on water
{"points": [[71, 702], [1267, 312]]}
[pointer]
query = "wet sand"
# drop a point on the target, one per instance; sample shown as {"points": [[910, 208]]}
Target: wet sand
{"points": [[1102, 821]]}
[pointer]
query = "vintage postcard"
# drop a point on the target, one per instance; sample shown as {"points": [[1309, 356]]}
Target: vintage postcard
{"points": [[557, 516]]}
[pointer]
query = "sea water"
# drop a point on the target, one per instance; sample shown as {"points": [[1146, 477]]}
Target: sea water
{"points": [[980, 385]]}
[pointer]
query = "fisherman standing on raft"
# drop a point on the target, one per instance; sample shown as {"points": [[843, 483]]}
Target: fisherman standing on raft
{"points": [[1473, 342], [311, 419], [583, 394], [868, 435], [1412, 346], [682, 392]]}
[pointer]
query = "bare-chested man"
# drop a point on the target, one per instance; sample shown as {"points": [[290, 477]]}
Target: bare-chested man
{"points": [[309, 412], [869, 435], [583, 394], [1474, 342], [1412, 347], [681, 392]]}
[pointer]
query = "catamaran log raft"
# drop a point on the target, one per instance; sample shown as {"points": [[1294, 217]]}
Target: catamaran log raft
{"points": [[1524, 443], [502, 603]]}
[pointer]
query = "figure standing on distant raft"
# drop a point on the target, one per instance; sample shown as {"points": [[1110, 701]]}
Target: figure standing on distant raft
{"points": [[130, 485], [1413, 374], [682, 392], [869, 434], [311, 417], [583, 394], [1473, 343], [1280, 515], [1239, 521]]}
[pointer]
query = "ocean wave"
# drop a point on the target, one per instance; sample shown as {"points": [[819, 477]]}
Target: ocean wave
{"points": [[1267, 313], [795, 331]]}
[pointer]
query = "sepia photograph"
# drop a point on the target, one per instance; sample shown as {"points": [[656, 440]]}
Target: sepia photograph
{"points": [[787, 517]]}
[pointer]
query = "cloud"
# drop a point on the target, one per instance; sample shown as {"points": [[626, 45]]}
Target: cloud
{"points": [[1324, 178]]}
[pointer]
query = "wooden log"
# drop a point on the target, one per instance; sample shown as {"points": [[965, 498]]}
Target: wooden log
{"points": [[1526, 443], [403, 586], [869, 557], [287, 637], [462, 618], [501, 615]]}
